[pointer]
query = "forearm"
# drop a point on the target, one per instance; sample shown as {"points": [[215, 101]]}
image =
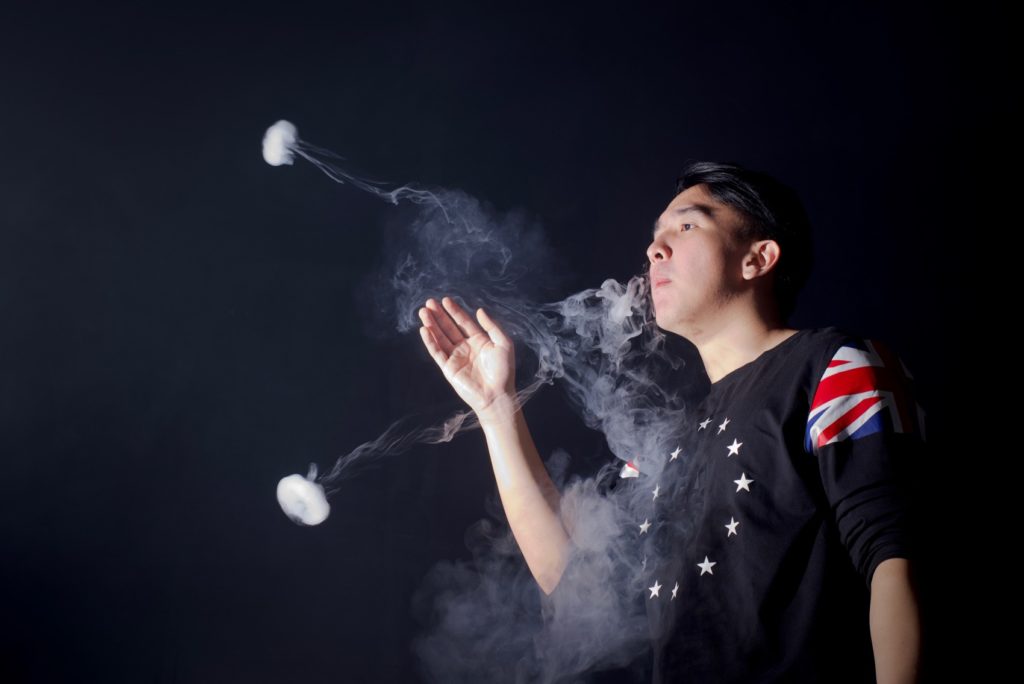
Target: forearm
{"points": [[530, 498], [895, 623]]}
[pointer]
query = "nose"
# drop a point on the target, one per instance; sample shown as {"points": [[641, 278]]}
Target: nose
{"points": [[657, 251]]}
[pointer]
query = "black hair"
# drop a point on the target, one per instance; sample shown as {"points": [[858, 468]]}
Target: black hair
{"points": [[773, 211]]}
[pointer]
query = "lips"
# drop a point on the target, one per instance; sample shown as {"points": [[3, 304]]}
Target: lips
{"points": [[657, 278]]}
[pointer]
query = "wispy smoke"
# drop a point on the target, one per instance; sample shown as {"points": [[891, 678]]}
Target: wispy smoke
{"points": [[488, 620]]}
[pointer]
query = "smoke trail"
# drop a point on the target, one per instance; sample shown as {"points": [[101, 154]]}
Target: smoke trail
{"points": [[281, 143], [488, 620]]}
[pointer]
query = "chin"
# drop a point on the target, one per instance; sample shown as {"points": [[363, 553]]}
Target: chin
{"points": [[663, 321], [670, 321]]}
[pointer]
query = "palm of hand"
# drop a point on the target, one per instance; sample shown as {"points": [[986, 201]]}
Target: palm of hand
{"points": [[479, 362], [478, 370]]}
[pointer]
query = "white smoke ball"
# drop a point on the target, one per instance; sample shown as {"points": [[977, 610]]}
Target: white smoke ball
{"points": [[302, 500], [278, 143]]}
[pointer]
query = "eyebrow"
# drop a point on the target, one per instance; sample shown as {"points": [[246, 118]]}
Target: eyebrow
{"points": [[707, 211]]}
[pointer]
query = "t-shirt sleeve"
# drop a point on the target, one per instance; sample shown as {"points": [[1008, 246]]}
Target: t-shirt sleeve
{"points": [[866, 430]]}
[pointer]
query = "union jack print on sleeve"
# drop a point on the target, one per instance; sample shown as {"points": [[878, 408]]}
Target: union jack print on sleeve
{"points": [[865, 389]]}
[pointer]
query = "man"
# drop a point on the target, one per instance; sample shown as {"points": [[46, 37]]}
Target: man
{"points": [[811, 481]]}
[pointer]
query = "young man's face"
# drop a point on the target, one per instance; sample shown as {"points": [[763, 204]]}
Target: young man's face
{"points": [[695, 261]]}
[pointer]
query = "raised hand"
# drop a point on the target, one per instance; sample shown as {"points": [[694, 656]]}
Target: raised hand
{"points": [[478, 360]]}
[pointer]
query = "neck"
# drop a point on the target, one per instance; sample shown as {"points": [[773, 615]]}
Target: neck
{"points": [[736, 340]]}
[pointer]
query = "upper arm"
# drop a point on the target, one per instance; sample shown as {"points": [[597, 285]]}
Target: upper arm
{"points": [[865, 428]]}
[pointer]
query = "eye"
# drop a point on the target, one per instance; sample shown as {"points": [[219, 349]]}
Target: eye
{"points": [[687, 226]]}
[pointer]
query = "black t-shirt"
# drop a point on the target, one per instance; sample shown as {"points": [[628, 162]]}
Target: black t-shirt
{"points": [[764, 524]]}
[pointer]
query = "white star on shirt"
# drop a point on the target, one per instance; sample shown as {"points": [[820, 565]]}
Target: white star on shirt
{"points": [[657, 488], [675, 454], [743, 483], [674, 590], [655, 589], [706, 566], [722, 426], [704, 424], [731, 527], [734, 448], [645, 526]]}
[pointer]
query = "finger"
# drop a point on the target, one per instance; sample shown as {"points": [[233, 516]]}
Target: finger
{"points": [[430, 322], [435, 352], [498, 335], [444, 321], [437, 320], [461, 317]]}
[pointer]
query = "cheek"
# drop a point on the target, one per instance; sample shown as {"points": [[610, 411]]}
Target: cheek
{"points": [[701, 266]]}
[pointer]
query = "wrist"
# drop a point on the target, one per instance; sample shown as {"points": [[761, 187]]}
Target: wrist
{"points": [[501, 411]]}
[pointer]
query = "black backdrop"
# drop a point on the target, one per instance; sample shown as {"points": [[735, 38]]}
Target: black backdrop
{"points": [[182, 324]]}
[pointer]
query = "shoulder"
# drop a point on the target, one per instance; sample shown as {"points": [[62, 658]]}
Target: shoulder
{"points": [[827, 338], [857, 380], [842, 350], [833, 349], [808, 352]]}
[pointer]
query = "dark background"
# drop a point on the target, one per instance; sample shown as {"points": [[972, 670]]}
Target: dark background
{"points": [[182, 324]]}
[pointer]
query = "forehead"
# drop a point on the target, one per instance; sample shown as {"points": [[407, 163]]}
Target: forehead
{"points": [[695, 195], [698, 205]]}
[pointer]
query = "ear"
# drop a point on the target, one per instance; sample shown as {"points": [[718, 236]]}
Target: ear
{"points": [[761, 258]]}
